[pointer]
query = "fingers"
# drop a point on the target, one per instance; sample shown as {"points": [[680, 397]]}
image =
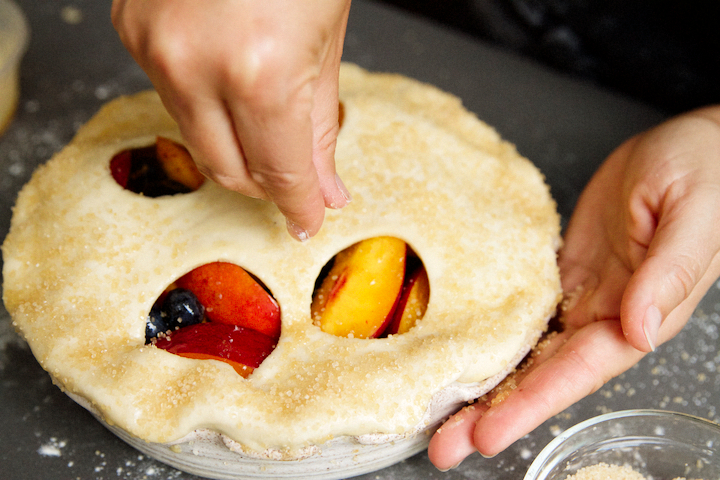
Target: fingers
{"points": [[593, 274], [570, 366], [275, 131], [453, 442], [578, 368], [681, 264], [287, 129], [325, 118], [206, 126], [640, 252], [261, 144]]}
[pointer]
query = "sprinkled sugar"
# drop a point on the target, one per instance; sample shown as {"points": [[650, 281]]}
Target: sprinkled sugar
{"points": [[603, 471]]}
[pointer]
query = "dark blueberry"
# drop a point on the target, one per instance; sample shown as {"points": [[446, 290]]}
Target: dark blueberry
{"points": [[155, 324], [182, 308]]}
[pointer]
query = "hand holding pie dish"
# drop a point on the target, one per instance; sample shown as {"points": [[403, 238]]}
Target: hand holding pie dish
{"points": [[185, 318]]}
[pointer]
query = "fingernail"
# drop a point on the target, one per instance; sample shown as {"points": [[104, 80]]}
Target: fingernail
{"points": [[297, 232], [651, 325], [450, 468], [343, 190]]}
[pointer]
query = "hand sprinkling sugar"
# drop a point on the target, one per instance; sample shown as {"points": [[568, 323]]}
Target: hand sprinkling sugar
{"points": [[254, 89]]}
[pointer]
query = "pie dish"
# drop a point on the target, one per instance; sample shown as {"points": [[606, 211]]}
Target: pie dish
{"points": [[86, 259]]}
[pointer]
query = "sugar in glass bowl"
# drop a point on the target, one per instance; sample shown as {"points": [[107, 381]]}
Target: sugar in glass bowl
{"points": [[657, 444]]}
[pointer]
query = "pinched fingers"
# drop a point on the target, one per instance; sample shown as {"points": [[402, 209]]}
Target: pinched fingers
{"points": [[272, 117], [255, 96], [279, 159]]}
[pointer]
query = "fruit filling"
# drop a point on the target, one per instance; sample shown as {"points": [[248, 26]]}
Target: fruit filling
{"points": [[374, 288], [216, 311], [165, 168]]}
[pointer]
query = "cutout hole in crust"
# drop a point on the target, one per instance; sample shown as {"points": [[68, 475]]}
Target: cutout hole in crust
{"points": [[165, 168], [216, 311], [374, 288]]}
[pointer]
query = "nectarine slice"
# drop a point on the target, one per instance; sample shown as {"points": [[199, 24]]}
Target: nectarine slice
{"points": [[165, 168], [359, 293], [243, 348], [242, 370], [178, 164], [231, 295]]}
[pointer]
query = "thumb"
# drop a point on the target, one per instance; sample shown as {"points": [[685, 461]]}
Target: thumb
{"points": [[682, 262]]}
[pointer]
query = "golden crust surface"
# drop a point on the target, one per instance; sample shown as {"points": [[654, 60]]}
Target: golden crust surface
{"points": [[85, 260]]}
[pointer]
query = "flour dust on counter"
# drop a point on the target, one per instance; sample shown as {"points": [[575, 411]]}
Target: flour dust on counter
{"points": [[52, 448]]}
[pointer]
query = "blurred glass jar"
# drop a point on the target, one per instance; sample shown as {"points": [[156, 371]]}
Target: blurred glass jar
{"points": [[14, 34], [654, 443]]}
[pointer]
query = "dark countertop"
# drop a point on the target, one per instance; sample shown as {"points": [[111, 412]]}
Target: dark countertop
{"points": [[75, 63]]}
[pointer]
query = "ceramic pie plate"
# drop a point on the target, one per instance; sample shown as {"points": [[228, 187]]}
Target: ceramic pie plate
{"points": [[209, 454], [85, 260]]}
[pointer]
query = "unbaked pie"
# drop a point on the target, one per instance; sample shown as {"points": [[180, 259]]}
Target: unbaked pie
{"points": [[89, 262]]}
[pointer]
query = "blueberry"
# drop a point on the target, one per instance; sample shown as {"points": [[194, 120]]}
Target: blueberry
{"points": [[181, 308], [155, 324]]}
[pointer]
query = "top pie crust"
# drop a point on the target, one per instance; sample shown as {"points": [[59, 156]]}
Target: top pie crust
{"points": [[85, 260]]}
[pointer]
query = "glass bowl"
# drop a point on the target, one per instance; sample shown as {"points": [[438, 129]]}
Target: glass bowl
{"points": [[654, 443], [14, 35]]}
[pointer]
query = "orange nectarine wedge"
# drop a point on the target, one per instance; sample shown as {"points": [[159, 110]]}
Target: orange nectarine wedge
{"points": [[361, 290], [231, 295], [178, 164]]}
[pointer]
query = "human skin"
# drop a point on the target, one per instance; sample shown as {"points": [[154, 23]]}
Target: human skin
{"points": [[254, 92], [641, 250]]}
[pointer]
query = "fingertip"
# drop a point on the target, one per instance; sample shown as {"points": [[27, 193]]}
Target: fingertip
{"points": [[651, 326], [335, 193], [488, 439], [337, 196], [641, 328], [305, 224], [641, 311], [296, 231], [453, 442]]}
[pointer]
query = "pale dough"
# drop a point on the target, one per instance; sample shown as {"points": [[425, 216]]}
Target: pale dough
{"points": [[85, 260]]}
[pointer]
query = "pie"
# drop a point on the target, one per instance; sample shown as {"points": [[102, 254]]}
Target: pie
{"points": [[86, 260]]}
